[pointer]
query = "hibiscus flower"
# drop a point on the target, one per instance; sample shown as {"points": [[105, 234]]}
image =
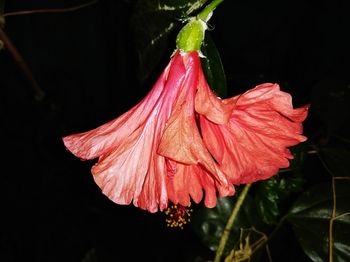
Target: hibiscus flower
{"points": [[182, 143], [155, 152]]}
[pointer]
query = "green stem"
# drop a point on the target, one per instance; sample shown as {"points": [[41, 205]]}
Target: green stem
{"points": [[230, 221], [205, 14]]}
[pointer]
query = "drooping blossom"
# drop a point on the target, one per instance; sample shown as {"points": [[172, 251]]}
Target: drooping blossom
{"points": [[183, 143], [254, 143], [155, 152]]}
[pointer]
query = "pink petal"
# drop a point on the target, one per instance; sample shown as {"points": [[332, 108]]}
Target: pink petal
{"points": [[254, 144], [129, 169], [208, 104], [181, 140], [189, 181], [94, 143]]}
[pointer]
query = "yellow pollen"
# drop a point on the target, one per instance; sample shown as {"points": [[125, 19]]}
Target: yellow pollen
{"points": [[178, 215]]}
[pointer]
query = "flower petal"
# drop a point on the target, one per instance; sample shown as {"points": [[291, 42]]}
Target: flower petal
{"points": [[129, 169], [132, 169], [96, 142], [207, 103], [254, 144], [189, 181], [181, 140]]}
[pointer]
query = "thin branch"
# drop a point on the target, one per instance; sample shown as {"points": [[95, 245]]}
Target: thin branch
{"points": [[334, 217], [16, 55], [230, 222], [22, 64], [334, 207], [330, 241], [324, 164], [342, 177], [277, 227], [54, 10], [268, 252], [342, 215]]}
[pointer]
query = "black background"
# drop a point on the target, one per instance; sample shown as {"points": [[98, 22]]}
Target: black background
{"points": [[86, 63]]}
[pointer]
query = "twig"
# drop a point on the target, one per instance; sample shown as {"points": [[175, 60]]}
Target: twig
{"points": [[330, 240], [22, 64], [230, 222], [40, 94], [54, 10]]}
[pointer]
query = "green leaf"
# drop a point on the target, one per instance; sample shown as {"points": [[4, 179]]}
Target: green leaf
{"points": [[151, 22], [213, 68], [209, 223], [271, 193], [310, 216]]}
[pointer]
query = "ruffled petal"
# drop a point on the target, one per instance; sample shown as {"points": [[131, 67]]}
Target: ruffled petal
{"points": [[129, 169], [254, 144], [99, 141], [188, 181], [181, 140], [133, 171], [207, 103]]}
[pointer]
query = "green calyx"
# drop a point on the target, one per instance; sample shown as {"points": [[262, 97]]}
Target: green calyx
{"points": [[191, 36]]}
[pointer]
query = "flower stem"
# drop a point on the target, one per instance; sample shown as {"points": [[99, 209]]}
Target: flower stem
{"points": [[230, 222], [205, 14]]}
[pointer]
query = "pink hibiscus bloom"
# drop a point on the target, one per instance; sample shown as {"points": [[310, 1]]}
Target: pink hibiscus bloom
{"points": [[181, 140], [155, 152], [252, 143]]}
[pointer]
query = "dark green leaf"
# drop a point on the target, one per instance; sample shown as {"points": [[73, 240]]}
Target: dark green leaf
{"points": [[152, 21], [266, 200], [310, 216], [270, 194], [209, 223], [213, 68]]}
